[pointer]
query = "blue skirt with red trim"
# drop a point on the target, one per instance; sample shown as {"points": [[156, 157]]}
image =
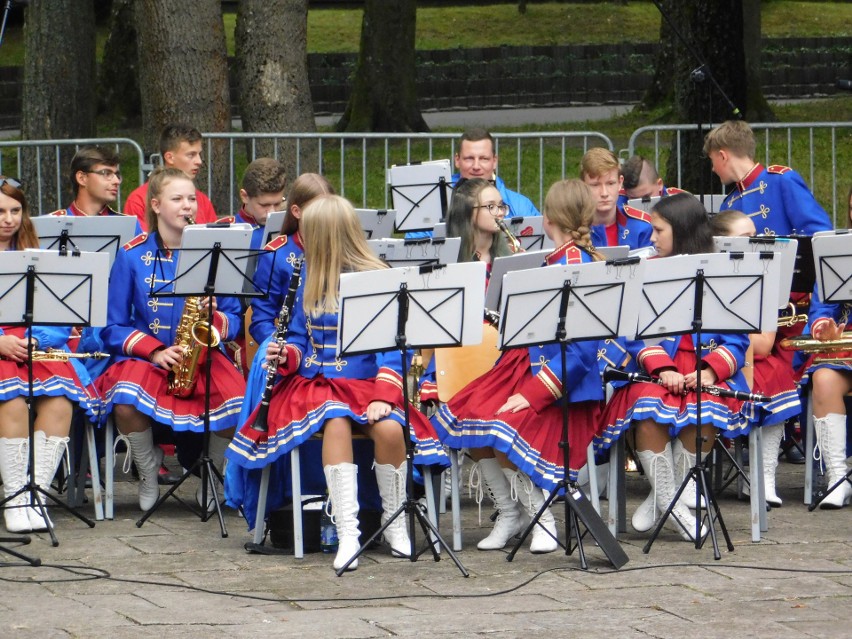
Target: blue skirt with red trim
{"points": [[529, 439], [141, 384], [299, 408]]}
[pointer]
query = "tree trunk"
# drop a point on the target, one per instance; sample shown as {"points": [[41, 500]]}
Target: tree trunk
{"points": [[59, 82], [757, 109], [183, 77], [384, 92], [660, 92], [118, 76], [704, 101], [272, 70]]}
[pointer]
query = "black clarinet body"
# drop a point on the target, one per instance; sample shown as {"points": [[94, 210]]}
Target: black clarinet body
{"points": [[282, 322], [612, 374]]}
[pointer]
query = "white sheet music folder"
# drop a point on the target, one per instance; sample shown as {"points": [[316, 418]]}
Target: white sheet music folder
{"points": [[416, 192], [785, 247]]}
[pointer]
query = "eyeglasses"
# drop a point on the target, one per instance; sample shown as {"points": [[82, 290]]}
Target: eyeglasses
{"points": [[10, 181], [494, 209], [107, 174]]}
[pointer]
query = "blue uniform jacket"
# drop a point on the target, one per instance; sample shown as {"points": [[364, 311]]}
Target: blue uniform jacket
{"points": [[778, 201], [280, 259], [138, 324], [634, 229]]}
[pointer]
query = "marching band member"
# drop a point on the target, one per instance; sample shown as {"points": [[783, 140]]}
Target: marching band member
{"points": [[261, 193], [142, 335], [613, 225], [322, 391], [830, 383], [662, 411], [640, 180], [510, 418], [772, 376], [56, 385], [274, 271]]}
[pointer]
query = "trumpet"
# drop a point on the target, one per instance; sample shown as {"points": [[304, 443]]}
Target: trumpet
{"points": [[832, 351], [514, 243], [792, 318], [56, 355]]}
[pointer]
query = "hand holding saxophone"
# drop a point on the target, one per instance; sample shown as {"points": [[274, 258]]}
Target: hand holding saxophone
{"points": [[168, 357], [208, 300]]}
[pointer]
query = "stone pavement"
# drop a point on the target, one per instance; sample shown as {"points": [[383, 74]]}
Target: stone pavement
{"points": [[176, 577]]}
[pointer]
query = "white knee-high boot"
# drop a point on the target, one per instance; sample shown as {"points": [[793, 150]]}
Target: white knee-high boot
{"points": [[392, 490], [49, 452], [659, 469], [509, 521], [831, 439], [14, 453], [683, 462], [147, 461], [771, 441], [531, 498], [342, 480]]}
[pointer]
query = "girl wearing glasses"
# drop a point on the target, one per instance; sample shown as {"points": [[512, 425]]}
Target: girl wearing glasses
{"points": [[510, 418], [56, 387]]}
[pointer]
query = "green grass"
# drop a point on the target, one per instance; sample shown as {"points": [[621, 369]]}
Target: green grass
{"points": [[338, 30]]}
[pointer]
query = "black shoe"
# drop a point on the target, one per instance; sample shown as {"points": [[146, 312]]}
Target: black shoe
{"points": [[165, 477], [791, 453]]}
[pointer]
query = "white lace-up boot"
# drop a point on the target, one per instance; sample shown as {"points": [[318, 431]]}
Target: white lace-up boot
{"points": [[147, 459], [510, 521], [13, 469], [831, 440], [342, 481], [531, 498], [392, 490], [683, 463], [49, 452]]}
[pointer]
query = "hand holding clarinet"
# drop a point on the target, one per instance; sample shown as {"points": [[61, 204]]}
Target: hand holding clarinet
{"points": [[669, 380]]}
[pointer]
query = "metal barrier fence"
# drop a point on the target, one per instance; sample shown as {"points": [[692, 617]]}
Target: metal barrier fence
{"points": [[45, 163], [356, 163], [801, 145]]}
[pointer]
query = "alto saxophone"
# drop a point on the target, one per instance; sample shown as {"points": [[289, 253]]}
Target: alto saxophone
{"points": [[514, 243], [193, 333]]}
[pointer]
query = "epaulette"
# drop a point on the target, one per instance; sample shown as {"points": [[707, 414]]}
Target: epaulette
{"points": [[276, 244], [573, 255], [136, 241], [227, 220], [778, 169], [60, 212], [636, 214], [673, 190]]}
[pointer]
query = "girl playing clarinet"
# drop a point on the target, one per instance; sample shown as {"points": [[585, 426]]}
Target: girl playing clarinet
{"points": [[141, 334], [510, 418], [662, 411], [321, 391], [56, 386]]}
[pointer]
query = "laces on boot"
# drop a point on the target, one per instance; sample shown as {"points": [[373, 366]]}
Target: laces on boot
{"points": [[128, 460], [476, 487]]}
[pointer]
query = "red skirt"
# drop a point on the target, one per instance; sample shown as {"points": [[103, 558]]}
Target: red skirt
{"points": [[773, 377], [141, 384], [529, 439], [299, 408], [50, 379]]}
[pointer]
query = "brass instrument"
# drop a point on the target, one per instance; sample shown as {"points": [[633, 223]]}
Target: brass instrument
{"points": [[192, 335], [792, 318], [56, 355], [514, 243], [832, 351]]}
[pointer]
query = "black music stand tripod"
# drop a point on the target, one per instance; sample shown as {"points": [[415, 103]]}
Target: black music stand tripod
{"points": [[222, 274], [730, 284], [597, 296], [64, 285], [368, 308]]}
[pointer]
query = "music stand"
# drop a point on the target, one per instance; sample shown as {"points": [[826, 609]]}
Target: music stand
{"points": [[420, 194], [445, 305], [274, 224], [400, 253], [644, 203], [718, 295], [213, 260], [96, 234], [506, 264], [602, 299], [377, 223], [833, 267], [530, 232], [43, 288]]}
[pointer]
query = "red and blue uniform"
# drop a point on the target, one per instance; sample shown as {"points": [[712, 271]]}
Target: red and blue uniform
{"points": [[632, 227]]}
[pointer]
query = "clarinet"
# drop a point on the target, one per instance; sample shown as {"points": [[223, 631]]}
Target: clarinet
{"points": [[282, 322], [612, 374]]}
